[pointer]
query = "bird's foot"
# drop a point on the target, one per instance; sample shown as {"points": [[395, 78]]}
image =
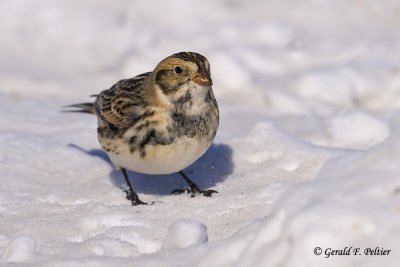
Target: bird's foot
{"points": [[195, 191], [134, 198]]}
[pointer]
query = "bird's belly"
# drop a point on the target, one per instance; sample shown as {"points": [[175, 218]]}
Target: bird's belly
{"points": [[160, 159]]}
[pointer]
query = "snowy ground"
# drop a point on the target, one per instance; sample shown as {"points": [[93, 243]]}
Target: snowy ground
{"points": [[307, 154]]}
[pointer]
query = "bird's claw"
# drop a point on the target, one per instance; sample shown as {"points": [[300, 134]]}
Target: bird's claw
{"points": [[134, 198], [195, 191], [208, 193]]}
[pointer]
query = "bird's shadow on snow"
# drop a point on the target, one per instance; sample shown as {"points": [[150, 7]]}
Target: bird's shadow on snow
{"points": [[212, 168]]}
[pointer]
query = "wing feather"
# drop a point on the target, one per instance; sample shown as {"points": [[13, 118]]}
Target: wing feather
{"points": [[123, 102]]}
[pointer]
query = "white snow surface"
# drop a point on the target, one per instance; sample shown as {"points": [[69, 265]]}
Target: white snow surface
{"points": [[307, 154], [185, 233]]}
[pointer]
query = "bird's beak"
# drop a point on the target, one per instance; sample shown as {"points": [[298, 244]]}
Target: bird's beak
{"points": [[202, 78]]}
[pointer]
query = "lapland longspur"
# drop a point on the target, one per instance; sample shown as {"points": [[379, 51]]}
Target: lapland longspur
{"points": [[158, 122]]}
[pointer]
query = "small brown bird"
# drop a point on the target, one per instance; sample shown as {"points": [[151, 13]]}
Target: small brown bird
{"points": [[158, 122]]}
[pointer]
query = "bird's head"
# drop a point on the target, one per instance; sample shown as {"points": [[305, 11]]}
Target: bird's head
{"points": [[180, 69]]}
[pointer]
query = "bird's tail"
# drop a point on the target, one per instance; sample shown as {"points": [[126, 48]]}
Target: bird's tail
{"points": [[81, 107]]}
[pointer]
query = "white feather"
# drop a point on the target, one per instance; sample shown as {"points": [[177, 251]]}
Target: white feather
{"points": [[160, 159]]}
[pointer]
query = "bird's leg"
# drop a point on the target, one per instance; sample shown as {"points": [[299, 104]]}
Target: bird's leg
{"points": [[193, 188], [130, 194]]}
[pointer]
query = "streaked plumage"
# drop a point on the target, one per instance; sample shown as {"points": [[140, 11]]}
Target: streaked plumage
{"points": [[158, 122]]}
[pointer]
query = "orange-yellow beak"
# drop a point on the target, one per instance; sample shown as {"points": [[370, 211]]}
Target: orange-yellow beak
{"points": [[202, 78]]}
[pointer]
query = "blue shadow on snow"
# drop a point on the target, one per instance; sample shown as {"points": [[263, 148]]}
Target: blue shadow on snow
{"points": [[212, 168]]}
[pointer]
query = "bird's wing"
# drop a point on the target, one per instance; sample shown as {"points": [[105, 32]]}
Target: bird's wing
{"points": [[123, 103]]}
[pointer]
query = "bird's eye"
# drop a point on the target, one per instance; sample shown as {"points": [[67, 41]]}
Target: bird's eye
{"points": [[178, 70]]}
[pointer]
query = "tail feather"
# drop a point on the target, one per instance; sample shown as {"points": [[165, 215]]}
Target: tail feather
{"points": [[82, 108]]}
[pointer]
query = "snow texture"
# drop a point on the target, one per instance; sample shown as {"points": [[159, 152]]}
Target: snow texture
{"points": [[307, 154], [185, 233]]}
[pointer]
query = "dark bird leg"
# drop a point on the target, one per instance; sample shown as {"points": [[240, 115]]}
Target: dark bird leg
{"points": [[193, 188], [130, 194]]}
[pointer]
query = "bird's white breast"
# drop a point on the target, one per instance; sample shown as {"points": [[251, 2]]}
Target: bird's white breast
{"points": [[160, 159]]}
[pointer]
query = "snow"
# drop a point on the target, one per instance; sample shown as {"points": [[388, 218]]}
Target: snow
{"points": [[184, 233], [21, 249], [358, 130], [307, 153]]}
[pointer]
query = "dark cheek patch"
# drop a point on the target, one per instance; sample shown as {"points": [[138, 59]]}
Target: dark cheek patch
{"points": [[162, 78], [161, 75]]}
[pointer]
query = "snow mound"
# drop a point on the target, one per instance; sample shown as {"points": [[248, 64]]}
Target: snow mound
{"points": [[358, 130], [185, 233], [342, 207], [20, 249], [328, 86], [269, 153]]}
